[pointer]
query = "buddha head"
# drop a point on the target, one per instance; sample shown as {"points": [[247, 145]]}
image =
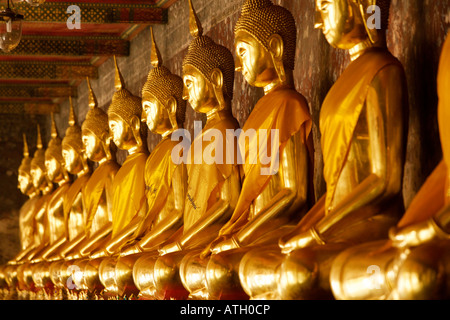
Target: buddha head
{"points": [[38, 171], [95, 131], [346, 23], [54, 161], [72, 146], [208, 71], [25, 181], [163, 107], [124, 116], [265, 43]]}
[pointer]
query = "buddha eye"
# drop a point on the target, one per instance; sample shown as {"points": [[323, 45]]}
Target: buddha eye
{"points": [[323, 5], [242, 52]]}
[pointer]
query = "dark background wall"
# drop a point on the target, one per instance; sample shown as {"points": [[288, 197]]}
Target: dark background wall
{"points": [[416, 33]]}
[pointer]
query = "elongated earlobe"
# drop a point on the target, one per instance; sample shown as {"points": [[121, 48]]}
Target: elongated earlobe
{"points": [[217, 82], [276, 49], [136, 128], [107, 147], [172, 111]]}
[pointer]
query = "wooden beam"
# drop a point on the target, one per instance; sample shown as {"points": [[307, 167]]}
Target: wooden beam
{"points": [[71, 46], [37, 91], [28, 108], [46, 70], [133, 13]]}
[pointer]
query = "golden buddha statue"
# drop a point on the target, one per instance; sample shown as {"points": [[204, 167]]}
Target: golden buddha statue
{"points": [[42, 183], [57, 173], [75, 163], [414, 261], [213, 186], [97, 196], [362, 122], [269, 203], [166, 182], [26, 221], [41, 227], [26, 213], [129, 202], [26, 216]]}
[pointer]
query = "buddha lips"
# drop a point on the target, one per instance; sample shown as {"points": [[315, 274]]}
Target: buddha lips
{"points": [[260, 147]]}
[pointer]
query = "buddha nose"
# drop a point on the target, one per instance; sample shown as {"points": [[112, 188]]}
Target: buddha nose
{"points": [[185, 93], [318, 22], [238, 65]]}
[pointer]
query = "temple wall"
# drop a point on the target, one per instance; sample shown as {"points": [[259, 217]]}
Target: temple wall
{"points": [[416, 34]]}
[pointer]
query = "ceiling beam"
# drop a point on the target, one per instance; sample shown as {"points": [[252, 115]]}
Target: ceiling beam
{"points": [[37, 91], [71, 46], [28, 108], [46, 70], [137, 13]]}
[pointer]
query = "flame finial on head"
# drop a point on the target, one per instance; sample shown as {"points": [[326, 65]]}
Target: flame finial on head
{"points": [[39, 138], [26, 152], [72, 120], [195, 25], [118, 81], [92, 99], [54, 131], [155, 55]]}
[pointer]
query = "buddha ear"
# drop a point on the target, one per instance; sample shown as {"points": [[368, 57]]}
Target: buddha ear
{"points": [[276, 47], [367, 14], [171, 105], [135, 124], [217, 83], [276, 50], [143, 116], [217, 78], [107, 146]]}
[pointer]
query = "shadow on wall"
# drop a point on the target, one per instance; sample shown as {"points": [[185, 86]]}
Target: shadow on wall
{"points": [[9, 231]]}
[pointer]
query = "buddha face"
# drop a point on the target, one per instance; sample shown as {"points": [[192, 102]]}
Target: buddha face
{"points": [[122, 133], [154, 113], [37, 176], [72, 160], [93, 146], [25, 182], [253, 60], [198, 91], [53, 168], [337, 20]]}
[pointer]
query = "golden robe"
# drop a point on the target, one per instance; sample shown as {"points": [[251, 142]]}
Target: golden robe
{"points": [[159, 170], [341, 110], [129, 191], [205, 180], [56, 218], [26, 222], [41, 221], [338, 119], [92, 195], [75, 221], [443, 85], [285, 110]]}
